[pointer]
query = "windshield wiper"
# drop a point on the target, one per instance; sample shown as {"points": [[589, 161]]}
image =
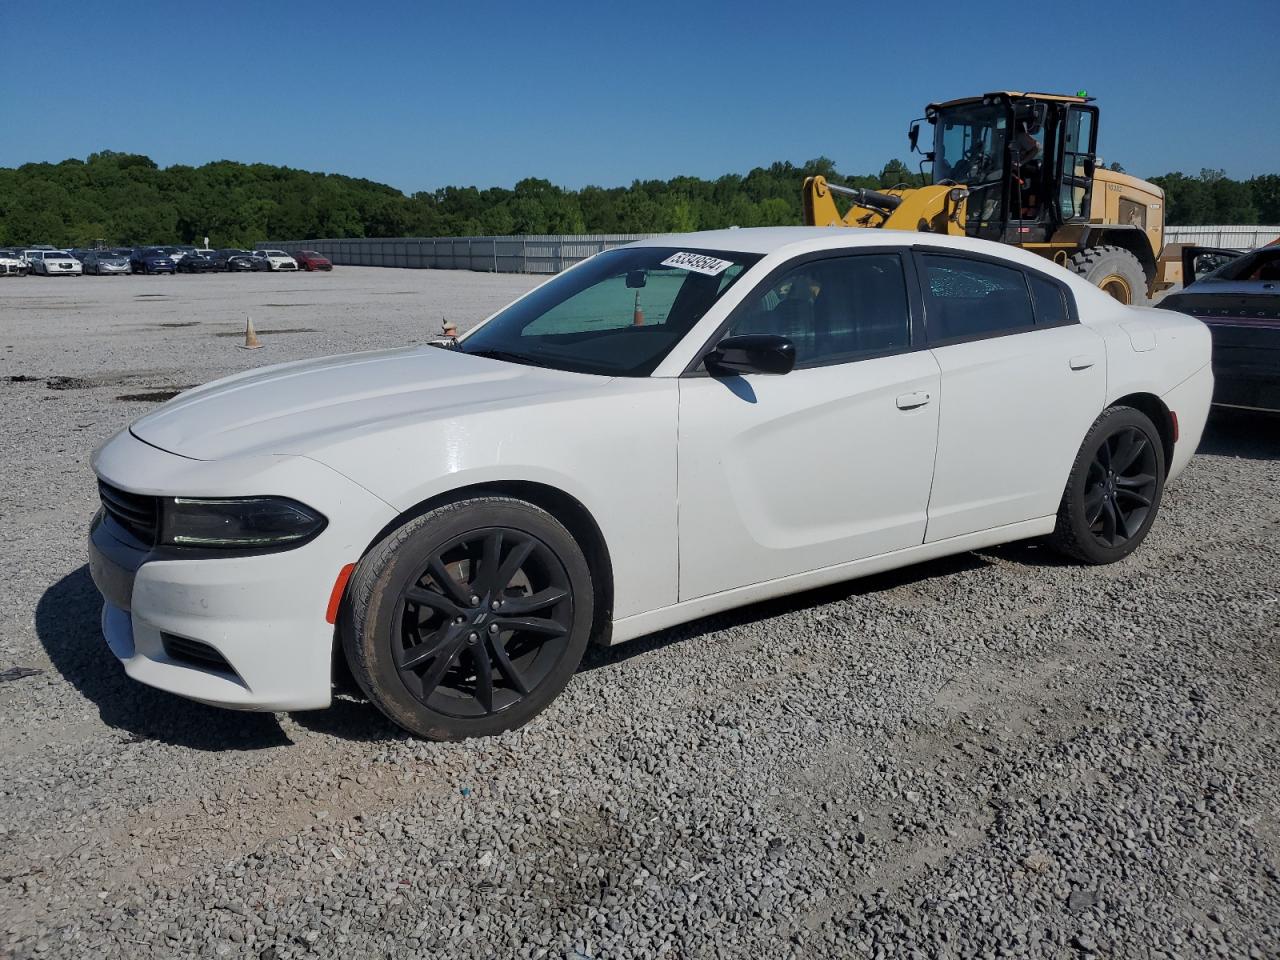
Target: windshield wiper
{"points": [[508, 356]]}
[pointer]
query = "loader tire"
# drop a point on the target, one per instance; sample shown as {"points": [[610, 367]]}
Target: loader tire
{"points": [[1114, 270]]}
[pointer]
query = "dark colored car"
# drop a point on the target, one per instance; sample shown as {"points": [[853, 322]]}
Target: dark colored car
{"points": [[1237, 295], [310, 260], [151, 260], [197, 262], [234, 260]]}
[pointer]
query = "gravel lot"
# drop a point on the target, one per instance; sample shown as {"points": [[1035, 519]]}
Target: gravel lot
{"points": [[993, 755]]}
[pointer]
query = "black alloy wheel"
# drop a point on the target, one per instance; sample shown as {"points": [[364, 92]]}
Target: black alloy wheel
{"points": [[1114, 490], [470, 619], [484, 623], [1121, 486]]}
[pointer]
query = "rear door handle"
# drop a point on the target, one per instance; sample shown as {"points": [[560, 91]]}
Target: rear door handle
{"points": [[1082, 361], [909, 401]]}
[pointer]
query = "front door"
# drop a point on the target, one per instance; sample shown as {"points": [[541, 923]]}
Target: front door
{"points": [[780, 475]]}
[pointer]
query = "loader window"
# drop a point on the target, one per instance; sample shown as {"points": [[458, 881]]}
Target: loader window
{"points": [[1077, 164], [969, 148]]}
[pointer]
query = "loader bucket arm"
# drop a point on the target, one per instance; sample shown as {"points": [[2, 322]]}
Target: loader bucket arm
{"points": [[934, 209]]}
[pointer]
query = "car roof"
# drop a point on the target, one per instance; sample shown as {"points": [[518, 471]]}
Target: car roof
{"points": [[768, 240], [794, 241]]}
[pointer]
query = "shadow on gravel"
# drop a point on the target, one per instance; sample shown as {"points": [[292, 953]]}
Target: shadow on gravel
{"points": [[598, 656], [68, 625], [1249, 434]]}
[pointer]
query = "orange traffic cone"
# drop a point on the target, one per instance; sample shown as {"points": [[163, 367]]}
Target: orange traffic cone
{"points": [[251, 341], [637, 317]]}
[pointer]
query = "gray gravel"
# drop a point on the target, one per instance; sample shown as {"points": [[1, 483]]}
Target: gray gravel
{"points": [[993, 755]]}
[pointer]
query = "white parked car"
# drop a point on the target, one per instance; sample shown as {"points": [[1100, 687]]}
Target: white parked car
{"points": [[273, 260], [12, 263], [53, 263], [666, 430]]}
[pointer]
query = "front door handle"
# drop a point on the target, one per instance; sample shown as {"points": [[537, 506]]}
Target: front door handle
{"points": [[909, 401], [1082, 361]]}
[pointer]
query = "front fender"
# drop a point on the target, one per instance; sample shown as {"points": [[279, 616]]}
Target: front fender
{"points": [[613, 450]]}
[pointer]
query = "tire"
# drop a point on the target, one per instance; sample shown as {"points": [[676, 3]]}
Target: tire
{"points": [[1114, 270], [396, 606], [1109, 505]]}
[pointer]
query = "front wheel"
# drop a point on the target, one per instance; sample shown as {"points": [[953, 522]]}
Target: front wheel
{"points": [[1114, 490], [469, 620]]}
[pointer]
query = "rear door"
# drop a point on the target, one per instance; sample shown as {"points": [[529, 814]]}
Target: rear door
{"points": [[1022, 382], [781, 475]]}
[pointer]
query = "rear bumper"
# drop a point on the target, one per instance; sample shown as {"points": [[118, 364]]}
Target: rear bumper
{"points": [[258, 623], [1189, 401]]}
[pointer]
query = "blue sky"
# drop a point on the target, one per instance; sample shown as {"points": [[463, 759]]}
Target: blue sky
{"points": [[421, 95]]}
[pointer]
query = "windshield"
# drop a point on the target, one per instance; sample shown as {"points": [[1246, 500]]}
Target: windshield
{"points": [[157, 251], [1259, 266], [618, 314]]}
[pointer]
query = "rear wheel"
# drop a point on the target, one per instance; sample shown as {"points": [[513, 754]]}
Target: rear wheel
{"points": [[1114, 490], [1114, 271], [469, 620]]}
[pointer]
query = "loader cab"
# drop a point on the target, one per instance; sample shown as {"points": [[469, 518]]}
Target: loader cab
{"points": [[1027, 160]]}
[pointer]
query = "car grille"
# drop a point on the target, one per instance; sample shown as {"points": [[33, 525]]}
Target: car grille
{"points": [[194, 652], [138, 514]]}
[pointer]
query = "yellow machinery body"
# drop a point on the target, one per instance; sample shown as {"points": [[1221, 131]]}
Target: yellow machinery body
{"points": [[1115, 236]]}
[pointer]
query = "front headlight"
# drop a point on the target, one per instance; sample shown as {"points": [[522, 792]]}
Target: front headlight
{"points": [[244, 522]]}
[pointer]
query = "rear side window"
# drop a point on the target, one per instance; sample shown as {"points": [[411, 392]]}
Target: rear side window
{"points": [[965, 299], [834, 310], [1051, 301]]}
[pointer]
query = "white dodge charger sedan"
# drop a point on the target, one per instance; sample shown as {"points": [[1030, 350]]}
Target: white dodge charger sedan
{"points": [[668, 429]]}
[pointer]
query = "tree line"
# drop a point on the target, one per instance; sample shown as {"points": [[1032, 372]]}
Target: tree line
{"points": [[126, 199]]}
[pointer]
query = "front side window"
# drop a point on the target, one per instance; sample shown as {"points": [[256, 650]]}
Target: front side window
{"points": [[973, 298], [833, 310], [618, 314]]}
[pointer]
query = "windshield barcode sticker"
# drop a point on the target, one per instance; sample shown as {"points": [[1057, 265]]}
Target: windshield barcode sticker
{"points": [[698, 263]]}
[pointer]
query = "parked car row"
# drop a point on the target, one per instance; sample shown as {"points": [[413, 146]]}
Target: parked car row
{"points": [[48, 261]]}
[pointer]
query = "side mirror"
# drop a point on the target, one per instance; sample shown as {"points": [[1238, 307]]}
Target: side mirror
{"points": [[913, 136], [752, 353], [637, 279]]}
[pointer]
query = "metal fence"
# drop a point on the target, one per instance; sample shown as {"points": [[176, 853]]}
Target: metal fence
{"points": [[520, 254], [551, 254]]}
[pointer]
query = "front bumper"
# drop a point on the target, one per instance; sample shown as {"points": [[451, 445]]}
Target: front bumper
{"points": [[261, 617]]}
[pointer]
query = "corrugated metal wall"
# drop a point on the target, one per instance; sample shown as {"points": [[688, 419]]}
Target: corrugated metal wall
{"points": [[551, 254], [1227, 237], [522, 254]]}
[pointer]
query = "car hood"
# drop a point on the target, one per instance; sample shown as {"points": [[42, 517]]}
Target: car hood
{"points": [[297, 408]]}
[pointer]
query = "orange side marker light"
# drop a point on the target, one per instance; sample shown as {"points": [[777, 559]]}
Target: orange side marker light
{"points": [[339, 587]]}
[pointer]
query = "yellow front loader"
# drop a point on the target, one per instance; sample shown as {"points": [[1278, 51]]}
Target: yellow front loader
{"points": [[1021, 168]]}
